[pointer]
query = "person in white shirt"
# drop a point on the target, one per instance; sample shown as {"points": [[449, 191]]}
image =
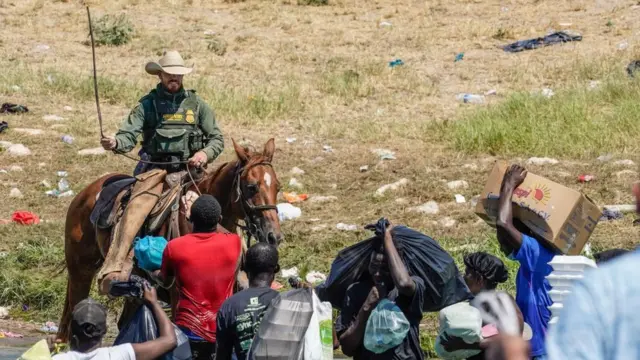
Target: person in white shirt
{"points": [[89, 325]]}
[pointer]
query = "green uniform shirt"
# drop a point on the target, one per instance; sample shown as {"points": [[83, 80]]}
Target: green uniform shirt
{"points": [[142, 119]]}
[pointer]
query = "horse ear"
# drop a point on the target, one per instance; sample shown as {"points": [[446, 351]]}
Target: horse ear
{"points": [[241, 152], [269, 149]]}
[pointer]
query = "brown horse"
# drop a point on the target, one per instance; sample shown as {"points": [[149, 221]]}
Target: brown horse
{"points": [[246, 190]]}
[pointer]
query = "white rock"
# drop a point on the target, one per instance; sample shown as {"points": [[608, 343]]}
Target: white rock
{"points": [[296, 171], [15, 168], [447, 222], [18, 150], [364, 168], [209, 32], [625, 173], [323, 199], [542, 161], [52, 118], [346, 227], [430, 207], [294, 183], [624, 163], [29, 131], [457, 184], [68, 108], [291, 140], [593, 84], [393, 186], [546, 92], [334, 186], [4, 312], [386, 24], [15, 193], [327, 149], [41, 48], [5, 144], [470, 166], [92, 151], [460, 199]]}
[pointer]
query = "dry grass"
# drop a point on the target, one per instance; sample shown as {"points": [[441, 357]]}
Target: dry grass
{"points": [[320, 74]]}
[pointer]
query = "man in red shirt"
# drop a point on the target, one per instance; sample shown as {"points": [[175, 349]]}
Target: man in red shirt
{"points": [[204, 265]]}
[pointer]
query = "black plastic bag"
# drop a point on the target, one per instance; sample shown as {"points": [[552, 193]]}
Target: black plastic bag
{"points": [[422, 256], [143, 328], [283, 327]]}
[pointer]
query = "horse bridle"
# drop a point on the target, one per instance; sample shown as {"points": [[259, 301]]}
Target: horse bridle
{"points": [[251, 220]]}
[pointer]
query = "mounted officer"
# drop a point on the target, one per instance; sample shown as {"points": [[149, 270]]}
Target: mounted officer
{"points": [[175, 124]]}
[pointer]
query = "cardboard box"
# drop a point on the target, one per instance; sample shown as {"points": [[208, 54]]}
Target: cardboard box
{"points": [[564, 217]]}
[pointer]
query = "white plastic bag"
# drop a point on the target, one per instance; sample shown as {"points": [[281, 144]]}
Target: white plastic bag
{"points": [[461, 320], [387, 327], [318, 340]]}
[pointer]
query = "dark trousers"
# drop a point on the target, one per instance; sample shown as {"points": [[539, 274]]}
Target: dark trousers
{"points": [[202, 350]]}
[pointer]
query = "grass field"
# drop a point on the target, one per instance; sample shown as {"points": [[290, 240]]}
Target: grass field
{"points": [[320, 74]]}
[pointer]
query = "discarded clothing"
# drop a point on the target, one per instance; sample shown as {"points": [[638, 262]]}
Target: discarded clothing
{"points": [[551, 39], [608, 214], [13, 108], [633, 67], [3, 126], [25, 218]]}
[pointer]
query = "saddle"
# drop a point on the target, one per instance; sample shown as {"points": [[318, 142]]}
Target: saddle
{"points": [[130, 206]]}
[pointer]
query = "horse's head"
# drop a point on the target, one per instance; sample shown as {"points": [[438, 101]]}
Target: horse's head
{"points": [[257, 189]]}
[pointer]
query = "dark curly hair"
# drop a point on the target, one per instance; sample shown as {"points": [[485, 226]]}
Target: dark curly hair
{"points": [[205, 213], [489, 267], [261, 258]]}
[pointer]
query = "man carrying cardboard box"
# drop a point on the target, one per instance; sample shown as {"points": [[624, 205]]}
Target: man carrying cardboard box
{"points": [[519, 243]]}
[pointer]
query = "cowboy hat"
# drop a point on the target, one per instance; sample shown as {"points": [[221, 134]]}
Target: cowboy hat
{"points": [[171, 63]]}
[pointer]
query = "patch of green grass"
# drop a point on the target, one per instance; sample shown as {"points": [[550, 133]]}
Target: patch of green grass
{"points": [[113, 30], [216, 45], [575, 123], [347, 85]]}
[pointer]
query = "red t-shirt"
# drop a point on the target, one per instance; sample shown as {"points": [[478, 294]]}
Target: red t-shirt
{"points": [[204, 266]]}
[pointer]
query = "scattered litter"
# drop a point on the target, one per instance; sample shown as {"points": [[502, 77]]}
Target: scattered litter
{"points": [[470, 98], [430, 207], [393, 186], [16, 193], [611, 214], [18, 150], [593, 84], [586, 178], [396, 62], [623, 45], [276, 285], [50, 79], [294, 183], [52, 118], [45, 184], [364, 168], [5, 144], [621, 208], [548, 93], [319, 227], [64, 189], [209, 32], [49, 327], [291, 272], [15, 88], [25, 218], [25, 307], [327, 148], [4, 126], [3, 171], [67, 108], [625, 173], [504, 9], [315, 277], [459, 57], [491, 92], [62, 173], [587, 249], [384, 154], [288, 212], [633, 67], [296, 171], [4, 312], [470, 166], [41, 48], [29, 131], [323, 199], [291, 140], [346, 227], [67, 139], [292, 197], [624, 163], [542, 161], [386, 24], [551, 39], [565, 24], [57, 193], [10, 335], [14, 168], [457, 184], [402, 201], [447, 222], [334, 186], [92, 151], [460, 199], [605, 158], [63, 183], [42, 164]]}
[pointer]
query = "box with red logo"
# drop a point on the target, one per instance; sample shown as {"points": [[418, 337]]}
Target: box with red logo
{"points": [[564, 217]]}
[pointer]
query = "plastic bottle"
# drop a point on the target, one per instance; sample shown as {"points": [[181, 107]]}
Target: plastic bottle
{"points": [[470, 98], [68, 139], [63, 184]]}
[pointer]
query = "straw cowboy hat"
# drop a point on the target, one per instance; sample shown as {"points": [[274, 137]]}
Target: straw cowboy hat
{"points": [[171, 63]]}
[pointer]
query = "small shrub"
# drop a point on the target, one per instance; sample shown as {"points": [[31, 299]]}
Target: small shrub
{"points": [[217, 46], [113, 30], [502, 34], [313, 2]]}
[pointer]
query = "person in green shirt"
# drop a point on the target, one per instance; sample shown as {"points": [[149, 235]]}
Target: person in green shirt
{"points": [[176, 124]]}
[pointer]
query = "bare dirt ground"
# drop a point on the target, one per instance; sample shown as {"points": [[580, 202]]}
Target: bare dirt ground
{"points": [[317, 74]]}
